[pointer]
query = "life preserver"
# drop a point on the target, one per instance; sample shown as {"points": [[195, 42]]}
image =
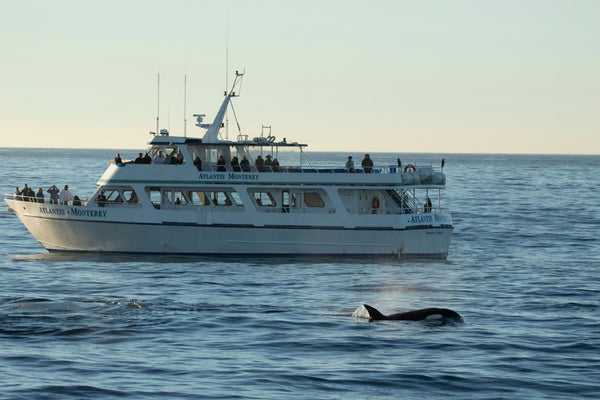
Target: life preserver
{"points": [[375, 203], [411, 167]]}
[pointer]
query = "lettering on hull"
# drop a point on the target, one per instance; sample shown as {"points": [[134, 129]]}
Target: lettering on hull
{"points": [[74, 212], [227, 177]]}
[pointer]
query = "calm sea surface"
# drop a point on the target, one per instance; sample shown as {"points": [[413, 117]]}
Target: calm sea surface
{"points": [[523, 271]]}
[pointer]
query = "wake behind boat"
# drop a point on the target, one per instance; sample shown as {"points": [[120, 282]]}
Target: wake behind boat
{"points": [[219, 197]]}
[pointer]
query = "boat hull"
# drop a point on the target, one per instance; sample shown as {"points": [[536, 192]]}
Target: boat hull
{"points": [[64, 234]]}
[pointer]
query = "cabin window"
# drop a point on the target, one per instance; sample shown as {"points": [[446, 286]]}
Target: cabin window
{"points": [[179, 198], [312, 199], [264, 199], [154, 196], [130, 196], [113, 196], [116, 196], [220, 199], [236, 198], [199, 198]]}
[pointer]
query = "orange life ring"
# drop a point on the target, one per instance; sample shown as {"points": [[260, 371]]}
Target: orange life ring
{"points": [[375, 203], [410, 166]]}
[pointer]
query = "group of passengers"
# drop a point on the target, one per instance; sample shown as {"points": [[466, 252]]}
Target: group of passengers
{"points": [[367, 164], [145, 159], [56, 196], [244, 165], [269, 162], [159, 158]]}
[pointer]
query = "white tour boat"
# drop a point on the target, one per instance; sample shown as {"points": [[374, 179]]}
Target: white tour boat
{"points": [[205, 200]]}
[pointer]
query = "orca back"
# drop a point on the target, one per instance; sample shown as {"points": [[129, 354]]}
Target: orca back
{"points": [[425, 313]]}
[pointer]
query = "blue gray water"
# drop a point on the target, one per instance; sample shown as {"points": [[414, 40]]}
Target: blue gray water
{"points": [[523, 272]]}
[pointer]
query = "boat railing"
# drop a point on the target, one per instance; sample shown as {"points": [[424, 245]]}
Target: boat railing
{"points": [[41, 200], [303, 170]]}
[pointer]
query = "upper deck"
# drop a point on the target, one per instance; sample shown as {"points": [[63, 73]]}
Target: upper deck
{"points": [[219, 163]]}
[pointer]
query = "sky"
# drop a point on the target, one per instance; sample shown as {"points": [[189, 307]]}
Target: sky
{"points": [[381, 76]]}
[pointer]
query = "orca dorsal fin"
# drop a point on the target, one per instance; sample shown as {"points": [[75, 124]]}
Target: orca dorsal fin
{"points": [[366, 311]]}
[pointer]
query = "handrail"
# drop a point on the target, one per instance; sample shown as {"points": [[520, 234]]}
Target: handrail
{"points": [[289, 169]]}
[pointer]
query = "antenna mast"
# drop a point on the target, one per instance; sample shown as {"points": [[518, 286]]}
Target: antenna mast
{"points": [[158, 104], [227, 76], [184, 105]]}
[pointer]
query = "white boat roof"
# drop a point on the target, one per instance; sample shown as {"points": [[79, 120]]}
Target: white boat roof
{"points": [[257, 142]]}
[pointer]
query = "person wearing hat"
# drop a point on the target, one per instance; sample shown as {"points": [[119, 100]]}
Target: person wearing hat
{"points": [[367, 164], [269, 160], [65, 196]]}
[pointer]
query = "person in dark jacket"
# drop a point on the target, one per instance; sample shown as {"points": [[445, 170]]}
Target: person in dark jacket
{"points": [[367, 164]]}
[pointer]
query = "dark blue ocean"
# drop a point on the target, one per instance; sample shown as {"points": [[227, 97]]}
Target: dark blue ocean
{"points": [[523, 271]]}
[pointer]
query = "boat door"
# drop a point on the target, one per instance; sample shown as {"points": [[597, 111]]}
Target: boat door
{"points": [[288, 200]]}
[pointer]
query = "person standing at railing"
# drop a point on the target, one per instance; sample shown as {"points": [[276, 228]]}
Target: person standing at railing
{"points": [[27, 194], [350, 164], [245, 164], [221, 164], [427, 206], [259, 164], [198, 163], [65, 196], [53, 190], [18, 193], [39, 196], [367, 164]]}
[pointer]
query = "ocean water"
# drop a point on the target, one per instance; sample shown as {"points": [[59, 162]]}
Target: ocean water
{"points": [[523, 271]]}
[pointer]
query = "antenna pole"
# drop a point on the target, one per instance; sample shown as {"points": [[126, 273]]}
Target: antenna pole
{"points": [[184, 105], [158, 104], [227, 77]]}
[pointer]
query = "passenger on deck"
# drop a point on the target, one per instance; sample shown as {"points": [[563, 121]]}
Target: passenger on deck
{"points": [[367, 164], [147, 159], [198, 163], [178, 159], [178, 201], [427, 206], [235, 164], [53, 190], [245, 164], [350, 164], [269, 160], [221, 164], [275, 165], [76, 201], [118, 159], [158, 158], [260, 164], [40, 195], [139, 160], [18, 193], [65, 196], [27, 193], [101, 199]]}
